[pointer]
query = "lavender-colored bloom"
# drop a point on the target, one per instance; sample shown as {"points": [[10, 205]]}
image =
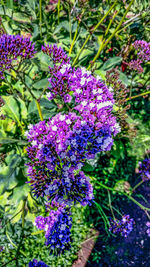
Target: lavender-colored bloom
{"points": [[143, 55], [123, 226], [57, 229], [136, 65], [143, 50], [12, 47], [36, 263], [144, 169]]}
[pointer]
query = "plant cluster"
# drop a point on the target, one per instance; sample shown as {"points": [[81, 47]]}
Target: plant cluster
{"points": [[70, 116]]}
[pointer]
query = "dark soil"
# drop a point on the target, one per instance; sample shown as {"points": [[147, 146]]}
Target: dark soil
{"points": [[133, 250]]}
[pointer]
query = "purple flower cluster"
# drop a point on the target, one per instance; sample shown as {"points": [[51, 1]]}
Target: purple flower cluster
{"points": [[59, 147], [57, 152], [12, 47], [143, 55], [143, 50], [36, 263], [123, 226], [57, 227], [144, 169]]}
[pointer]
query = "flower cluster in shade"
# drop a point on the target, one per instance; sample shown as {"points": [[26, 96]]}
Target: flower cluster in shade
{"points": [[143, 55], [57, 227], [144, 169], [13, 47], [36, 263], [123, 226], [148, 230]]}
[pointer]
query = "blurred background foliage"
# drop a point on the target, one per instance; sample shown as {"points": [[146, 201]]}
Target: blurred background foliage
{"points": [[72, 25]]}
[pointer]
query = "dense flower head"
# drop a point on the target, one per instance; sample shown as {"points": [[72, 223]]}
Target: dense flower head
{"points": [[57, 227], [36, 263], [144, 169], [58, 150], [136, 65], [123, 226], [143, 50], [12, 47], [143, 55]]}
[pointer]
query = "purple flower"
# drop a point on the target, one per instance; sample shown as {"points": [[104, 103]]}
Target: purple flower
{"points": [[143, 55], [36, 263], [12, 47], [144, 169], [123, 226], [57, 229]]}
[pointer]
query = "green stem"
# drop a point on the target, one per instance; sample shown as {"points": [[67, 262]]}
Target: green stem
{"points": [[58, 7], [38, 232], [131, 198], [89, 36], [137, 185], [105, 219], [40, 3], [23, 213], [13, 217], [76, 32], [30, 91], [109, 199], [39, 109], [110, 23], [11, 242], [135, 96], [111, 36]]}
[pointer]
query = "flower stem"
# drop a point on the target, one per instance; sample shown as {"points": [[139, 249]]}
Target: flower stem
{"points": [[39, 109], [75, 35], [40, 3], [135, 96], [131, 198], [137, 185], [104, 44], [58, 7], [109, 199], [11, 242], [89, 36]]}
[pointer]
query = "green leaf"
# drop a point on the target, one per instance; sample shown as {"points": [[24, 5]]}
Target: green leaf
{"points": [[47, 104], [20, 193], [11, 108], [41, 84], [10, 4], [9, 140], [7, 178], [43, 61], [111, 63], [124, 78]]}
